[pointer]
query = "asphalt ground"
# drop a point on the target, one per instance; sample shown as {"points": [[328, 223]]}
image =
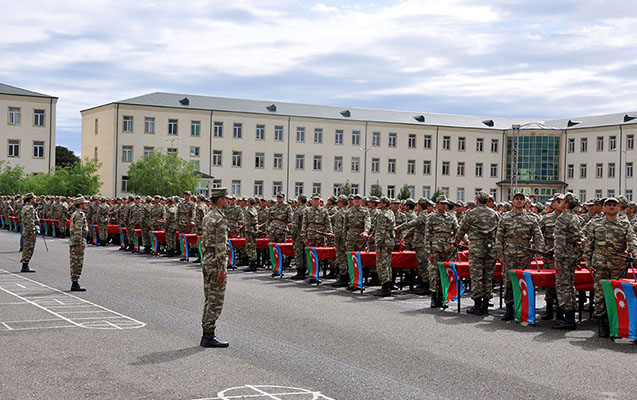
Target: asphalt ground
{"points": [[135, 334]]}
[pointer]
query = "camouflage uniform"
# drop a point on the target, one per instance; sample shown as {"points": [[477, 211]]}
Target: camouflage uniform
{"points": [[214, 242], [185, 216], [30, 231], [157, 217], [201, 209], [338, 220], [102, 221], [547, 226], [567, 238], [385, 235], [297, 239], [235, 219], [171, 229], [77, 243], [316, 219], [356, 221], [146, 223], [441, 229], [279, 218], [399, 218], [263, 214], [418, 228], [250, 218]]}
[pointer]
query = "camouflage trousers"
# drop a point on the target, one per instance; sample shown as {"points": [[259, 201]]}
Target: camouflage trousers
{"points": [[565, 284], [512, 261], [171, 234], [130, 235], [315, 240], [602, 273], [341, 256], [482, 267], [434, 273], [213, 294], [299, 254], [186, 228], [355, 242], [146, 236], [251, 246], [277, 236], [76, 257], [383, 263], [61, 228], [28, 248], [423, 263], [551, 294], [102, 231]]}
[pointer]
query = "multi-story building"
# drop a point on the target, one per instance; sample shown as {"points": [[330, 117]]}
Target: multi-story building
{"points": [[27, 129], [262, 147]]}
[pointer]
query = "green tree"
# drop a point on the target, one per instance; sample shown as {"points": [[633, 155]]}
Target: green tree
{"points": [[163, 174], [79, 178], [377, 190], [65, 157], [11, 179], [437, 193], [404, 193], [346, 189]]}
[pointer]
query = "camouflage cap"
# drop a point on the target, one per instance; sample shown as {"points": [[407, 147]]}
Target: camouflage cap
{"points": [[219, 192], [600, 201], [539, 206], [342, 199], [280, 194], [442, 199], [623, 201], [558, 196], [482, 196], [517, 194], [79, 200], [350, 197], [332, 199], [570, 199], [357, 196], [302, 197], [471, 204], [422, 202], [611, 200], [410, 202], [316, 196], [632, 205], [384, 199], [375, 199], [29, 196], [187, 192]]}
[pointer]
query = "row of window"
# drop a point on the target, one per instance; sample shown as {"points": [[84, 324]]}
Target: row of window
{"points": [[612, 143], [15, 116], [14, 148], [599, 170]]}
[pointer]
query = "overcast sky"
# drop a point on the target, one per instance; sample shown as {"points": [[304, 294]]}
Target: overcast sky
{"points": [[539, 59]]}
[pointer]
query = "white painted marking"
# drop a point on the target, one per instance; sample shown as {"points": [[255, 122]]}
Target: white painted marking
{"points": [[267, 392], [15, 303], [22, 286], [6, 326]]}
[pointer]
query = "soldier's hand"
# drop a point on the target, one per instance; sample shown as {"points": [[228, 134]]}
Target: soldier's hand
{"points": [[221, 276]]}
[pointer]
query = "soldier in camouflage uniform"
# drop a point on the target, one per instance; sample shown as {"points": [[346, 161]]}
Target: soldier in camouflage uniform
{"points": [[30, 230], [101, 214], [516, 228], [171, 227], [214, 243], [384, 235], [417, 228], [235, 218], [279, 218], [399, 219], [201, 209], [480, 225], [338, 226], [606, 236], [186, 214], [567, 239], [356, 224], [263, 214], [135, 217], [547, 226], [250, 220], [441, 229], [77, 242], [317, 227], [297, 238]]}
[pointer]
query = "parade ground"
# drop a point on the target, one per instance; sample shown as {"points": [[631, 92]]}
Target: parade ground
{"points": [[135, 335]]}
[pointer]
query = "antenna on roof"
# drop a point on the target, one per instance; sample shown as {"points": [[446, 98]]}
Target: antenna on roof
{"points": [[185, 101], [420, 118], [488, 122], [346, 113], [271, 107], [571, 123]]}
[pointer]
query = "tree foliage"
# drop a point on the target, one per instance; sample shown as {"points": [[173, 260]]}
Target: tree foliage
{"points": [[79, 178], [163, 174], [346, 189], [65, 157], [376, 190], [11, 179], [404, 193], [437, 193]]}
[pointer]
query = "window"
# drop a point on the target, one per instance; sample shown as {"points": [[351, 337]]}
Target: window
{"points": [[599, 170], [172, 151], [391, 166], [355, 188], [337, 189], [611, 170], [392, 139], [570, 171], [445, 191], [610, 193], [460, 170], [277, 186], [411, 143], [376, 139], [236, 187], [356, 161], [298, 189], [571, 145], [582, 196], [338, 136], [236, 158], [629, 170], [583, 145], [38, 117], [218, 129], [598, 194], [97, 125], [479, 145], [194, 151], [582, 171], [278, 133], [148, 151], [259, 160], [260, 134], [356, 138], [127, 124], [195, 128], [426, 191], [149, 125], [629, 195], [317, 163], [427, 141], [426, 167], [216, 158], [446, 142], [411, 167], [196, 164], [173, 126], [14, 116], [202, 188], [316, 188], [445, 167], [612, 143], [460, 194], [127, 153], [600, 143], [493, 192], [258, 188], [494, 145], [237, 130], [338, 164], [391, 191], [494, 171], [124, 183], [375, 165], [630, 142], [278, 161], [300, 134], [478, 169], [461, 144], [318, 135], [300, 161], [38, 149], [216, 183]]}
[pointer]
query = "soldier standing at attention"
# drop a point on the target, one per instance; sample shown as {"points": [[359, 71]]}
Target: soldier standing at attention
{"points": [[547, 226], [516, 228], [417, 227], [279, 218], [297, 238], [317, 226], [480, 223], [171, 227], [201, 209], [186, 214], [338, 221], [235, 217], [77, 242], [441, 229], [384, 231], [356, 224], [102, 220], [30, 230], [250, 219], [607, 235], [215, 238]]}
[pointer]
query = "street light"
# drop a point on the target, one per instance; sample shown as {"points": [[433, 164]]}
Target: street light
{"points": [[171, 140]]}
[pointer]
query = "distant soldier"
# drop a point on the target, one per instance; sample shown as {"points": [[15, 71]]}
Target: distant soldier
{"points": [[338, 226], [102, 212], [400, 218], [418, 229], [297, 238], [171, 227], [77, 242], [250, 220], [30, 230], [547, 226], [234, 214], [279, 218], [441, 229], [384, 231], [316, 224], [201, 209], [186, 214]]}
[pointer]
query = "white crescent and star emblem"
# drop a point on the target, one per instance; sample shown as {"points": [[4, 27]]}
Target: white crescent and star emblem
{"points": [[523, 282], [621, 303], [450, 274]]}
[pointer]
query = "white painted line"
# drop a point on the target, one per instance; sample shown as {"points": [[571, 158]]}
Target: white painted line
{"points": [[7, 326], [29, 320], [22, 286], [43, 327], [273, 397], [15, 303]]}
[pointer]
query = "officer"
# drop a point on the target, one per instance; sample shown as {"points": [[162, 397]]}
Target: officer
{"points": [[77, 242], [441, 229], [30, 230], [215, 238], [384, 235]]}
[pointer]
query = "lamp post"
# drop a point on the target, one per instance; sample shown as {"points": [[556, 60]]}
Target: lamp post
{"points": [[171, 140]]}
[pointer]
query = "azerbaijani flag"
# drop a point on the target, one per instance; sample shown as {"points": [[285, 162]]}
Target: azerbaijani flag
{"points": [[122, 241], [452, 287], [523, 295], [230, 254], [355, 270], [95, 234], [276, 259], [621, 306], [312, 262]]}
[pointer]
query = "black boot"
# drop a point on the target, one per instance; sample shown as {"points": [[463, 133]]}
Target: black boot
{"points": [[25, 268], [197, 261], [252, 267], [210, 340], [422, 289], [477, 307], [509, 313], [568, 323], [343, 281], [436, 300], [485, 306], [75, 287], [300, 275], [548, 314], [374, 281], [146, 250], [384, 291], [602, 330]]}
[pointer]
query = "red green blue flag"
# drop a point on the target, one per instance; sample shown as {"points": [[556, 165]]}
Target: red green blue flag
{"points": [[230, 254], [452, 287], [276, 258], [154, 242], [523, 296], [122, 235], [95, 234], [621, 306], [355, 270], [312, 262]]}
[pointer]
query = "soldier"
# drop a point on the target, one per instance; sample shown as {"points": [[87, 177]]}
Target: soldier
{"points": [[606, 236], [547, 226], [186, 214], [200, 211], [417, 227], [356, 223], [30, 230], [171, 227], [399, 219], [384, 235], [317, 226], [567, 240], [480, 224], [77, 242], [338, 226], [102, 212], [136, 215], [235, 217], [297, 238], [250, 219], [214, 240], [516, 228], [441, 229]]}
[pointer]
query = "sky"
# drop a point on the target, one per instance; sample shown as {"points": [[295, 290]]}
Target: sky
{"points": [[543, 59]]}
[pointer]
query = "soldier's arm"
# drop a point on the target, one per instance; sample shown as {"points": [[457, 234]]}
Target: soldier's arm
{"points": [[631, 241], [328, 223], [368, 222], [499, 239], [464, 227], [538, 238]]}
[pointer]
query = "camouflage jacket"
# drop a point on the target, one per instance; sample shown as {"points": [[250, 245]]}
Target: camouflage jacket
{"points": [[215, 238], [547, 226], [315, 219], [441, 229], [418, 226], [185, 213], [517, 229], [30, 221], [606, 237], [567, 236], [480, 224], [78, 228], [384, 229]]}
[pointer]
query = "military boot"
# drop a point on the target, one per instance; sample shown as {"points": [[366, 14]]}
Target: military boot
{"points": [[509, 313], [477, 307], [146, 250], [343, 281], [485, 306], [210, 340], [374, 281], [568, 323], [252, 267], [25, 268], [436, 301], [602, 329], [548, 314], [384, 291], [75, 287], [300, 275]]}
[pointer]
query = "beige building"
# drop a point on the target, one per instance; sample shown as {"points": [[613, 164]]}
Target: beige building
{"points": [[262, 147], [27, 129]]}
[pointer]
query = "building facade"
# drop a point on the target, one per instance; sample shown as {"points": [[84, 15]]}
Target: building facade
{"points": [[27, 129], [260, 148]]}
